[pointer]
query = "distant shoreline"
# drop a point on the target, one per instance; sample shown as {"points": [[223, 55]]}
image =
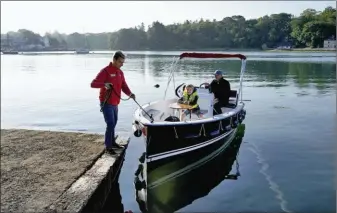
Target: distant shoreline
{"points": [[316, 50], [302, 50]]}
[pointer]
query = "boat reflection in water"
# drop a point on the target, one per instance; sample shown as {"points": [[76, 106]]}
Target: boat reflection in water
{"points": [[170, 185]]}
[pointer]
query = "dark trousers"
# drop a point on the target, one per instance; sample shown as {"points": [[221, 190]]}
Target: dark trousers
{"points": [[110, 113], [217, 108]]}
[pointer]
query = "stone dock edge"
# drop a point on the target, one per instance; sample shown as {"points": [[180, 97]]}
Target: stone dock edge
{"points": [[90, 191]]}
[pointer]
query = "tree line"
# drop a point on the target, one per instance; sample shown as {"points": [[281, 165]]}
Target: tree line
{"points": [[310, 29]]}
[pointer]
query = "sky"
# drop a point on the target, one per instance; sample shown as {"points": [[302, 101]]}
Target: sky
{"points": [[108, 16]]}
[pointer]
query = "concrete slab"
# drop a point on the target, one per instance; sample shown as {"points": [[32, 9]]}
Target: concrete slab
{"points": [[89, 192], [39, 167]]}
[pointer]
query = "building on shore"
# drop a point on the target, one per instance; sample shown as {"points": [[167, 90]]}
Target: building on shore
{"points": [[330, 43], [286, 45]]}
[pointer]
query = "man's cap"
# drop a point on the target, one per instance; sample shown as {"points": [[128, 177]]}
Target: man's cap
{"points": [[218, 72]]}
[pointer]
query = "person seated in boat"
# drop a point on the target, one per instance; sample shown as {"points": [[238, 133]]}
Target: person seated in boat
{"points": [[221, 88], [190, 97]]}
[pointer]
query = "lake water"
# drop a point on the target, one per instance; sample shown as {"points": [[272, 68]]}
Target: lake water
{"points": [[287, 161]]}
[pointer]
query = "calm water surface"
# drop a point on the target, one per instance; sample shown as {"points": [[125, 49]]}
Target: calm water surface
{"points": [[286, 160]]}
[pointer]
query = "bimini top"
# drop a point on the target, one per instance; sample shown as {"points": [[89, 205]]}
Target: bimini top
{"points": [[211, 55]]}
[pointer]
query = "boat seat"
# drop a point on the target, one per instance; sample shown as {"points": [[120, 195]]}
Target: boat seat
{"points": [[203, 91], [164, 115], [172, 119], [232, 104], [233, 98], [233, 94], [205, 102]]}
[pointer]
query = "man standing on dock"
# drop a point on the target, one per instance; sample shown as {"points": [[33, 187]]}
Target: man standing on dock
{"points": [[110, 80]]}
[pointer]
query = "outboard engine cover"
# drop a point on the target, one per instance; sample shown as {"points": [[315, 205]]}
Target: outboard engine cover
{"points": [[172, 119]]}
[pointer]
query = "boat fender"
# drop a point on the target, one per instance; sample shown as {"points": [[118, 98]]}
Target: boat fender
{"points": [[172, 119], [142, 158], [139, 169], [141, 195], [138, 184], [143, 184], [240, 117], [136, 130], [229, 127], [234, 122], [243, 114]]}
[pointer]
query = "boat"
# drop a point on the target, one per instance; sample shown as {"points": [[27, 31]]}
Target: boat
{"points": [[10, 52], [166, 136], [178, 183], [7, 48], [84, 50]]}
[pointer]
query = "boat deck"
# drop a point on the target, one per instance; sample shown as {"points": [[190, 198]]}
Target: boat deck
{"points": [[160, 111]]}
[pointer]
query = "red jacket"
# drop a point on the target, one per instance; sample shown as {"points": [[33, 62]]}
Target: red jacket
{"points": [[111, 74]]}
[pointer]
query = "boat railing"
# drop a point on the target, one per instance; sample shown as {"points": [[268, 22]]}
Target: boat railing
{"points": [[175, 61]]}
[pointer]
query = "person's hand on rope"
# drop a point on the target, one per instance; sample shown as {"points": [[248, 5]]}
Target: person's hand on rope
{"points": [[108, 85], [133, 96]]}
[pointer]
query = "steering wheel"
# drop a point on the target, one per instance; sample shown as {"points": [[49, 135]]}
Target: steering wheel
{"points": [[206, 85], [177, 89]]}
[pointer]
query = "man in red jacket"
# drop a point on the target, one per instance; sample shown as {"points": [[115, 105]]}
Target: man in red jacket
{"points": [[110, 80]]}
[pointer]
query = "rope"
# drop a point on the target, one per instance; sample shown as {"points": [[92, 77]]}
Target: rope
{"points": [[175, 131], [119, 95], [108, 94], [202, 128], [220, 126], [148, 143]]}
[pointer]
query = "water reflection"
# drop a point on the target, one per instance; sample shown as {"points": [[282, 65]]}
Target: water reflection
{"points": [[114, 200], [177, 183]]}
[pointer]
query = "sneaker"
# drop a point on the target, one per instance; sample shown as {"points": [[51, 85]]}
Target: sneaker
{"points": [[116, 145], [110, 151]]}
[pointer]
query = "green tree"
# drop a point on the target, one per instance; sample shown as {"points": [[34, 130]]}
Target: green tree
{"points": [[310, 29]]}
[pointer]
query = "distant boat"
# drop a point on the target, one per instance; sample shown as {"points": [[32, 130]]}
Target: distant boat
{"points": [[8, 47], [84, 50], [10, 52]]}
